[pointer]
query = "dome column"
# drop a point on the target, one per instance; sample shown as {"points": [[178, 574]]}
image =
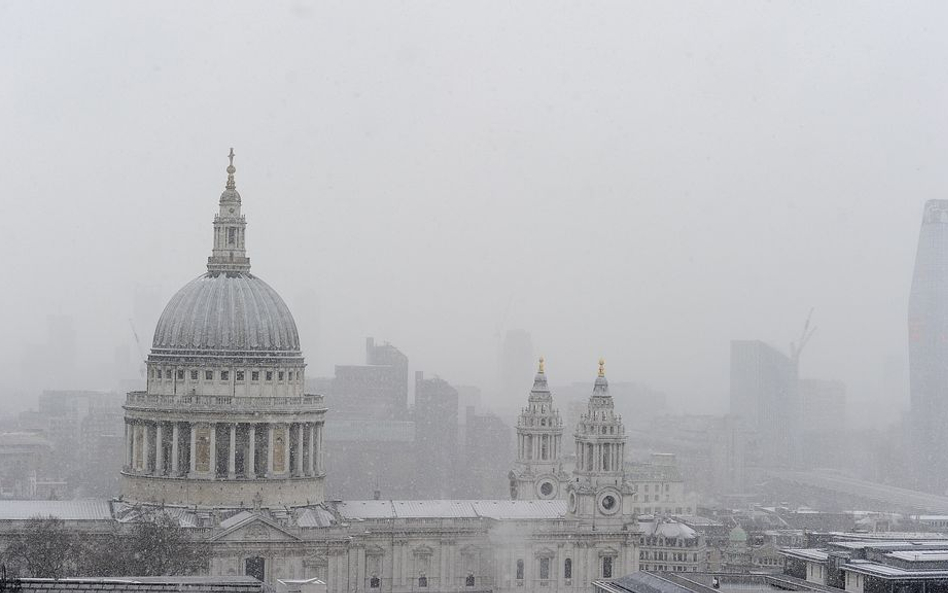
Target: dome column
{"points": [[159, 451], [299, 449], [250, 466], [319, 449], [232, 457], [287, 442], [192, 465], [175, 448], [145, 448], [269, 472], [129, 440], [213, 453], [311, 465]]}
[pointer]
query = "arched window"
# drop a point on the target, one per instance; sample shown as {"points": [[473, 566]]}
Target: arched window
{"points": [[519, 570], [469, 581], [568, 568]]}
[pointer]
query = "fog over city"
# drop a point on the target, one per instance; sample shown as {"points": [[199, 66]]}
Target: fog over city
{"points": [[639, 181]]}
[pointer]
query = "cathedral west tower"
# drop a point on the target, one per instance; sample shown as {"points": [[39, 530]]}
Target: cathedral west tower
{"points": [[599, 490], [538, 473], [224, 420]]}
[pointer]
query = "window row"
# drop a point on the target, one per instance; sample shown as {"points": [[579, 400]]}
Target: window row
{"points": [[208, 375], [544, 566], [375, 582], [669, 542], [660, 510]]}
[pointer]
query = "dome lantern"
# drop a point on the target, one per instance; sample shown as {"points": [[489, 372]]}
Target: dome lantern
{"points": [[229, 254]]}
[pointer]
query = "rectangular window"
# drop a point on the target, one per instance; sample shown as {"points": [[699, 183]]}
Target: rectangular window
{"points": [[180, 374], [158, 372], [254, 375], [281, 375], [194, 375], [519, 570], [240, 375], [269, 375], [544, 569], [231, 235], [568, 569], [225, 375], [208, 375], [607, 567]]}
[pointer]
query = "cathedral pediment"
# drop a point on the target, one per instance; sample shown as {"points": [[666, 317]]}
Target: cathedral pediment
{"points": [[255, 528]]}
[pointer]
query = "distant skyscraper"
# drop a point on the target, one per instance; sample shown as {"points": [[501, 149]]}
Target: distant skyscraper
{"points": [[765, 395], [377, 390], [436, 436], [928, 350]]}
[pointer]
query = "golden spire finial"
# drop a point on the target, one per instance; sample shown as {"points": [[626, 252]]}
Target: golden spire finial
{"points": [[602, 367], [541, 365]]}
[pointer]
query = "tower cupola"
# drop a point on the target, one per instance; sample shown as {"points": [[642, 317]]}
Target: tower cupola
{"points": [[538, 472], [230, 252]]}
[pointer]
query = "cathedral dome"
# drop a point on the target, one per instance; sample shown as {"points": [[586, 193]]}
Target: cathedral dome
{"points": [[230, 312]]}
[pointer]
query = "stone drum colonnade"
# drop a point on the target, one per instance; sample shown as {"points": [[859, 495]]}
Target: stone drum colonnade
{"points": [[223, 450]]}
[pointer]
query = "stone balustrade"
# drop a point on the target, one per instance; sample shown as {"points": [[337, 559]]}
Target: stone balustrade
{"points": [[142, 399]]}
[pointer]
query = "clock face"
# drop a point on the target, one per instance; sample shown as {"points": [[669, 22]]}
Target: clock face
{"points": [[608, 503], [231, 210]]}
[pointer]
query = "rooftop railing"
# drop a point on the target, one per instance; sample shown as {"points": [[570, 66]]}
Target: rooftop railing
{"points": [[142, 399]]}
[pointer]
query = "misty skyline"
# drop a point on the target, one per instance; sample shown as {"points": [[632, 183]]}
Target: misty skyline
{"points": [[638, 182]]}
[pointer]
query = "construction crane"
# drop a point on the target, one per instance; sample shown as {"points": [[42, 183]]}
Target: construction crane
{"points": [[138, 343], [805, 336]]}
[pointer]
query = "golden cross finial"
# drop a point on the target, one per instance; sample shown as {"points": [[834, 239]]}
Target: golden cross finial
{"points": [[541, 365], [602, 367]]}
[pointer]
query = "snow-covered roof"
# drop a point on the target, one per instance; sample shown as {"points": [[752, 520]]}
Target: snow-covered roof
{"points": [[806, 554], [920, 555], [315, 517], [890, 572], [667, 529], [520, 509], [451, 509], [69, 510]]}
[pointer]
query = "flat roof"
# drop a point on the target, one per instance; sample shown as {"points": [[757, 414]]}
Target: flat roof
{"points": [[813, 554], [885, 571], [68, 510]]}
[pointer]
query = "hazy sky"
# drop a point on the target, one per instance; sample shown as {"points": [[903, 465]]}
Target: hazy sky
{"points": [[640, 181]]}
